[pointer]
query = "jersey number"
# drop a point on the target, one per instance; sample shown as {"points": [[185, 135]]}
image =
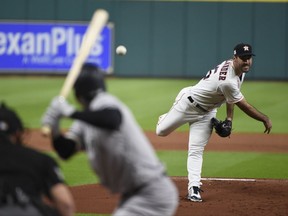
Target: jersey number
{"points": [[210, 72]]}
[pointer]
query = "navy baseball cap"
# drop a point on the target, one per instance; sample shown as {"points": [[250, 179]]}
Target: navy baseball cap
{"points": [[9, 120], [243, 49]]}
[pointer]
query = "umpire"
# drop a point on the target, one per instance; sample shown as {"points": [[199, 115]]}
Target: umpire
{"points": [[28, 176]]}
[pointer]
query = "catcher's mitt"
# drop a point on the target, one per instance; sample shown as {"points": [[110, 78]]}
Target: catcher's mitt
{"points": [[222, 128]]}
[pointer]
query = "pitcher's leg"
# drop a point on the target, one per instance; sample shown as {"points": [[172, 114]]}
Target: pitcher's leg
{"points": [[170, 122], [199, 135], [178, 115]]}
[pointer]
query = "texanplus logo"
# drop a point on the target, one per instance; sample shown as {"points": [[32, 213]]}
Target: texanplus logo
{"points": [[46, 46], [45, 43]]}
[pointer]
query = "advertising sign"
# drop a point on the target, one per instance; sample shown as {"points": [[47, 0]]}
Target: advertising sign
{"points": [[50, 47]]}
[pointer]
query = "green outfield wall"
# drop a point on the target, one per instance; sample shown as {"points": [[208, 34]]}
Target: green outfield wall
{"points": [[177, 38]]}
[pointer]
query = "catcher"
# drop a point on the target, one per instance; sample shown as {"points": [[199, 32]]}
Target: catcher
{"points": [[197, 105]]}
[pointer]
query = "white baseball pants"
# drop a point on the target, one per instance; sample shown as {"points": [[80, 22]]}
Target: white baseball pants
{"points": [[182, 112]]}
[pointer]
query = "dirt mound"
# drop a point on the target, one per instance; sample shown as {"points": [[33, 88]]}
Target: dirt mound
{"points": [[223, 197]]}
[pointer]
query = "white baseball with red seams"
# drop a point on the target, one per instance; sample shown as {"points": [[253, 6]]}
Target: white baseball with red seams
{"points": [[121, 50]]}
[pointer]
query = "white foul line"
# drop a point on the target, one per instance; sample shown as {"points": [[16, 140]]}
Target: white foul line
{"points": [[228, 179], [232, 179], [219, 179]]}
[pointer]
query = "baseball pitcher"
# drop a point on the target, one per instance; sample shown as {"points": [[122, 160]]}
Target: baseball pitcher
{"points": [[197, 105]]}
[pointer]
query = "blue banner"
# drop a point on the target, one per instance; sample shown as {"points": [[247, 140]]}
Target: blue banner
{"points": [[50, 47]]}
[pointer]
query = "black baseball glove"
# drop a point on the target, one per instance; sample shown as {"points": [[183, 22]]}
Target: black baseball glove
{"points": [[222, 128]]}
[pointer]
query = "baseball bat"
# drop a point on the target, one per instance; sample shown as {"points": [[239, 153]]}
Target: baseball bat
{"points": [[97, 23]]}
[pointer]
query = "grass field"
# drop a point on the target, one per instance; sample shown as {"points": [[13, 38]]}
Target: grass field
{"points": [[216, 164], [148, 98]]}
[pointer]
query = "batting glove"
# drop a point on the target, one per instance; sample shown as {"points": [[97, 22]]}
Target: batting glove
{"points": [[51, 119], [60, 106]]}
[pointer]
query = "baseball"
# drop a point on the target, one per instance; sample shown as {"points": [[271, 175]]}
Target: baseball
{"points": [[121, 50]]}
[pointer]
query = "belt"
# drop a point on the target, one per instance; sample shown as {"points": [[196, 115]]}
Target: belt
{"points": [[197, 105]]}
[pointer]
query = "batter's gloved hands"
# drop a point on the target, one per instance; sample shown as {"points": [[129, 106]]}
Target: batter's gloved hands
{"points": [[51, 120], [58, 108], [222, 128], [61, 107]]}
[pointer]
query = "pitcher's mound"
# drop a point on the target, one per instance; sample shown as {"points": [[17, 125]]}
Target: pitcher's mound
{"points": [[237, 197]]}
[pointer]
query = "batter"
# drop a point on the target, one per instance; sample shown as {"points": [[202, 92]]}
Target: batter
{"points": [[197, 105], [118, 151]]}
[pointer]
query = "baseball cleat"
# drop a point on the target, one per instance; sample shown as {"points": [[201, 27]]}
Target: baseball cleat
{"points": [[194, 194]]}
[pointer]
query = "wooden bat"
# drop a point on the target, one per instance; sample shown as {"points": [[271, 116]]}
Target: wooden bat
{"points": [[98, 21]]}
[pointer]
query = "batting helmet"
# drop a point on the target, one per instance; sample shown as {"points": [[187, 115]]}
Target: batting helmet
{"points": [[89, 82], [9, 121]]}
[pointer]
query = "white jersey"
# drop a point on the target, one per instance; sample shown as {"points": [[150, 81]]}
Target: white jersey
{"points": [[122, 159], [220, 85]]}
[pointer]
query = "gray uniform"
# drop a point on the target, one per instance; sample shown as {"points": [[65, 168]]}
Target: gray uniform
{"points": [[126, 163]]}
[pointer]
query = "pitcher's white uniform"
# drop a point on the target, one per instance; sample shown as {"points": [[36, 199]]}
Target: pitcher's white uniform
{"points": [[196, 105]]}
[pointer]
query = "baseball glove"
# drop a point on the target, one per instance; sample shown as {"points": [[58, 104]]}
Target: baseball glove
{"points": [[222, 128]]}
